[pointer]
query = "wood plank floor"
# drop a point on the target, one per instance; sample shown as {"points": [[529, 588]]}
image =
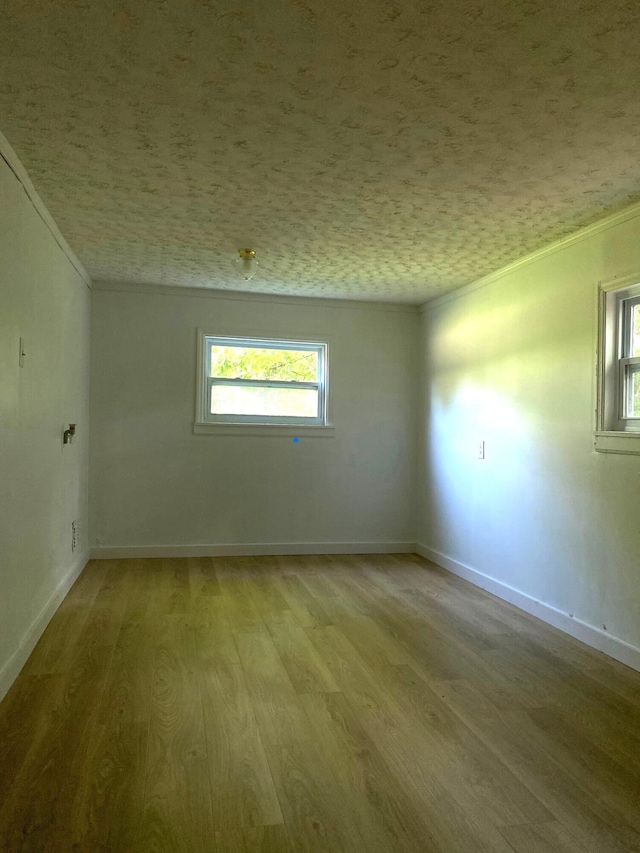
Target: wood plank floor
{"points": [[368, 704]]}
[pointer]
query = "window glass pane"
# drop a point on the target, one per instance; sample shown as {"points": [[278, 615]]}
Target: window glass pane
{"points": [[634, 378], [273, 402], [284, 365], [635, 331]]}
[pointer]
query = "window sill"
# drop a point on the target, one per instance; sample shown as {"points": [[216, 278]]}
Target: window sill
{"points": [[617, 442], [275, 430]]}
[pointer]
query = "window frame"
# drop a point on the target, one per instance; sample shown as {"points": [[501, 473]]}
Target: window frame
{"points": [[616, 430], [205, 422]]}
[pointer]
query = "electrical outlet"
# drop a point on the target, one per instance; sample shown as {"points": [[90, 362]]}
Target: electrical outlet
{"points": [[75, 535], [481, 450]]}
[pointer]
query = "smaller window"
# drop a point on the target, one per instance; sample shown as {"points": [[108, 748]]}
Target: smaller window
{"points": [[618, 408], [629, 362], [262, 381]]}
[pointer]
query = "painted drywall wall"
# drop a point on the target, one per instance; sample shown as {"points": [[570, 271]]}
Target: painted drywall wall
{"points": [[43, 484], [156, 484], [513, 363]]}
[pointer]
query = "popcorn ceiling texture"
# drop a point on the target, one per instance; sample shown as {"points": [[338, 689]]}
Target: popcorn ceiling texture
{"points": [[383, 149]]}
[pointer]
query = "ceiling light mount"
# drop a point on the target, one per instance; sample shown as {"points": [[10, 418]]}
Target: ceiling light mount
{"points": [[247, 263]]}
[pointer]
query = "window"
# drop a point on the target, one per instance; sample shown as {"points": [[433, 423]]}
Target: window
{"points": [[258, 381], [618, 409], [629, 362]]}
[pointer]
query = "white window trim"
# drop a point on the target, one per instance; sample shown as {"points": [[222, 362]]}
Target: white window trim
{"points": [[614, 433], [304, 427], [265, 430]]}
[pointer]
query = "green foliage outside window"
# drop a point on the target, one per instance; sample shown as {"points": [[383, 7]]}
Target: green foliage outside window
{"points": [[254, 363]]}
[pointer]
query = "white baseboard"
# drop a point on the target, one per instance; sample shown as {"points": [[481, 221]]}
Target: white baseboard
{"points": [[589, 634], [251, 549], [12, 667]]}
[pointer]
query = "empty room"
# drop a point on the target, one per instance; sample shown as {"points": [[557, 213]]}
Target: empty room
{"points": [[319, 426]]}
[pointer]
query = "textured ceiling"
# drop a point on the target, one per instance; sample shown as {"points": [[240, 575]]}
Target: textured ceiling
{"points": [[381, 149]]}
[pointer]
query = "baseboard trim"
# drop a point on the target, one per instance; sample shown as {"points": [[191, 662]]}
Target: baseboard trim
{"points": [[251, 549], [13, 666], [589, 634]]}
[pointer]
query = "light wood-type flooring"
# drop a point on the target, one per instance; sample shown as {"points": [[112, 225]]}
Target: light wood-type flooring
{"points": [[367, 704]]}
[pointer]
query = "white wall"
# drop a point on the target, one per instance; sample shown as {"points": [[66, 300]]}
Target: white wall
{"points": [[513, 363], [43, 485], [154, 483]]}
